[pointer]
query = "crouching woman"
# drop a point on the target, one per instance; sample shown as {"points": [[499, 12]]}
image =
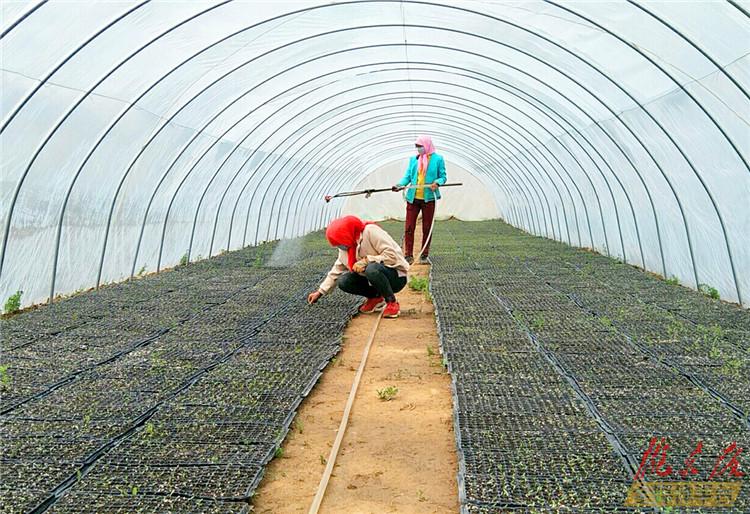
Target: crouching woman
{"points": [[370, 264]]}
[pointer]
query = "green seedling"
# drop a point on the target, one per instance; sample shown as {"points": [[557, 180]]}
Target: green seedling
{"points": [[387, 393], [709, 291], [13, 303], [674, 281], [184, 260], [150, 430], [419, 283], [430, 351], [733, 367], [279, 452], [604, 320], [5, 378], [538, 323], [141, 271], [674, 330], [157, 359]]}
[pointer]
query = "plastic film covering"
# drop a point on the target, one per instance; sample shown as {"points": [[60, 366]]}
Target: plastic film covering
{"points": [[136, 134]]}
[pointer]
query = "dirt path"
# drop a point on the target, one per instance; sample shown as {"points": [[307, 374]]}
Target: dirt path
{"points": [[397, 456]]}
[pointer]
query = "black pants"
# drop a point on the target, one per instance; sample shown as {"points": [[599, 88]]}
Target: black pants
{"points": [[379, 280]]}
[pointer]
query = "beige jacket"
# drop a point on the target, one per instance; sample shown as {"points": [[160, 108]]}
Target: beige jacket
{"points": [[375, 245]]}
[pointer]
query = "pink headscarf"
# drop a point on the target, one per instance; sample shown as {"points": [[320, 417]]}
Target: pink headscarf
{"points": [[429, 149]]}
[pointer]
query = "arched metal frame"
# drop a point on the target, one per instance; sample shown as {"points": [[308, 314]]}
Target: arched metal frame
{"points": [[316, 89], [22, 18], [397, 139], [499, 174], [443, 119], [454, 101], [433, 4]]}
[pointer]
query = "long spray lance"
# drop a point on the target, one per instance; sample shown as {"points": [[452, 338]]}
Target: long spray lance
{"points": [[368, 193]]}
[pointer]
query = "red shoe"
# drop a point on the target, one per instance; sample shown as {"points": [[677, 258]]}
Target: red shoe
{"points": [[392, 310], [372, 305]]}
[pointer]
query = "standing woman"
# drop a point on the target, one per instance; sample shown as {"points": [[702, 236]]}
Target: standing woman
{"points": [[427, 167]]}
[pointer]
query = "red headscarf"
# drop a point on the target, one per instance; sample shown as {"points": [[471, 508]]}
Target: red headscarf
{"points": [[346, 231]]}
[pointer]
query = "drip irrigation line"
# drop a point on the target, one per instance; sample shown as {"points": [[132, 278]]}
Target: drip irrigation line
{"points": [[74, 376], [92, 459], [344, 421], [84, 323], [665, 361], [653, 303], [628, 460]]}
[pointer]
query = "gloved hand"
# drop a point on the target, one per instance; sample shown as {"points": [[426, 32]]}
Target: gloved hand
{"points": [[359, 266], [313, 297]]}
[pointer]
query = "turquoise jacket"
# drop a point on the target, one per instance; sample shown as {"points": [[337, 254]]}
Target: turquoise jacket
{"points": [[435, 173]]}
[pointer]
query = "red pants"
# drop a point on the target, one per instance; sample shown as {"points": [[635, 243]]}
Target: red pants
{"points": [[412, 211]]}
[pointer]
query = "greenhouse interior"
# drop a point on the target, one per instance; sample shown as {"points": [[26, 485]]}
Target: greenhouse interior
{"points": [[375, 256]]}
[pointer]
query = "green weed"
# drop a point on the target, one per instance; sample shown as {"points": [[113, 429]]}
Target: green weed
{"points": [[419, 283], [387, 393], [184, 260], [13, 303], [709, 291], [674, 281]]}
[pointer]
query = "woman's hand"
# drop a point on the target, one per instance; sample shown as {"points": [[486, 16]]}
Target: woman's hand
{"points": [[313, 297], [434, 186], [396, 189], [359, 266]]}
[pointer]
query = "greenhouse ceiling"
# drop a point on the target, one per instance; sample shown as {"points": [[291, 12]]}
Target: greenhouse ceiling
{"points": [[136, 135]]}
